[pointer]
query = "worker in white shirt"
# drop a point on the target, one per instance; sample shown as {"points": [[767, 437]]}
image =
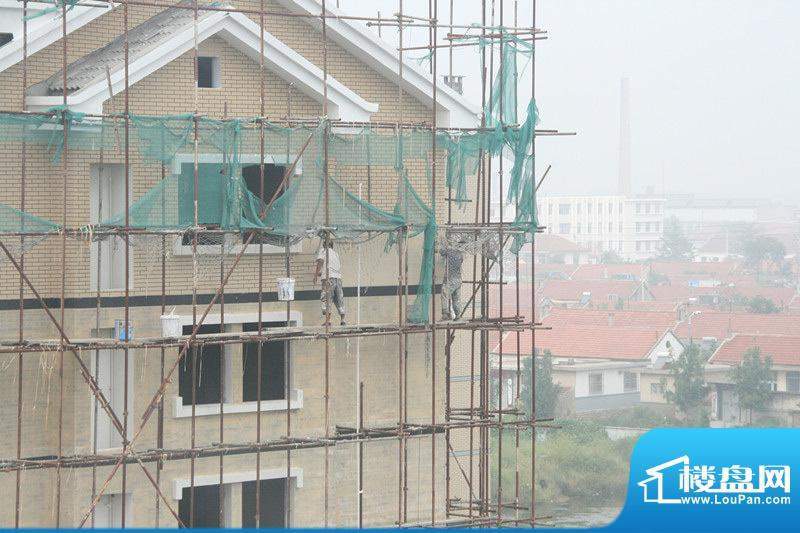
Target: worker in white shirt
{"points": [[331, 275], [451, 283]]}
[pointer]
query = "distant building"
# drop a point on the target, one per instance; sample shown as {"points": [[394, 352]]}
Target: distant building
{"points": [[555, 249], [715, 327], [597, 366], [699, 215], [590, 294], [703, 218], [717, 249], [784, 350], [631, 226]]}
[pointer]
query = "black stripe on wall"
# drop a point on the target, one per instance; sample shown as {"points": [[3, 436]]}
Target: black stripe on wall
{"points": [[90, 302]]}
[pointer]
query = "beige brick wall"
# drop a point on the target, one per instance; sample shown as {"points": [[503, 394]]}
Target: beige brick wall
{"points": [[170, 90]]}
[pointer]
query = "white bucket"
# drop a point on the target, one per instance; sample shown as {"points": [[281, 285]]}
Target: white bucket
{"points": [[285, 289], [171, 325]]}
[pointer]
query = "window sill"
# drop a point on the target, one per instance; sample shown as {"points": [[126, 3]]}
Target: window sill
{"points": [[213, 409], [179, 249]]}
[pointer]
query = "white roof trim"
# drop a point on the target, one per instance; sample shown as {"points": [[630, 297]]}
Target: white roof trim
{"points": [[243, 34], [44, 31], [455, 110]]}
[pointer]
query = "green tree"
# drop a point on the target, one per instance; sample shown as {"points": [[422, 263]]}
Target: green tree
{"points": [[761, 305], [689, 389], [546, 389], [759, 248], [675, 245], [610, 257], [752, 382]]}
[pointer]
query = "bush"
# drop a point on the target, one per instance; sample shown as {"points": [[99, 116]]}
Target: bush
{"points": [[761, 305], [639, 416], [576, 463]]}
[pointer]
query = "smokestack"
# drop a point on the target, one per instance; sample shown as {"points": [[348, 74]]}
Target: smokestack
{"points": [[624, 184]]}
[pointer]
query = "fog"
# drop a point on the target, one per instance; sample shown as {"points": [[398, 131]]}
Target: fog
{"points": [[714, 88]]}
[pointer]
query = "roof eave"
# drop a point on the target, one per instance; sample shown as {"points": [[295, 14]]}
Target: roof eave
{"points": [[456, 111], [242, 33], [47, 33]]}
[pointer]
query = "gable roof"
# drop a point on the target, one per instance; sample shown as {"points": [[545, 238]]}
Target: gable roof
{"points": [[723, 325], [647, 320], [587, 342], [550, 243], [652, 305], [453, 109], [43, 30], [635, 271], [693, 270], [683, 290], [91, 68], [168, 35], [600, 290], [783, 349]]}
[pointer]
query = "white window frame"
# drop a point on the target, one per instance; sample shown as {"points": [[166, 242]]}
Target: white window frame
{"points": [[589, 376], [213, 409], [103, 422], [96, 174], [216, 72], [635, 379], [793, 373], [180, 249], [229, 479], [103, 502]]}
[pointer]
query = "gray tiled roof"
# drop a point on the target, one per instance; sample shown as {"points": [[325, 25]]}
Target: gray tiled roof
{"points": [[141, 39]]}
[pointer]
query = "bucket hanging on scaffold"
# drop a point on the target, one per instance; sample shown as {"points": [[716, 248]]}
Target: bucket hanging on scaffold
{"points": [[286, 289]]}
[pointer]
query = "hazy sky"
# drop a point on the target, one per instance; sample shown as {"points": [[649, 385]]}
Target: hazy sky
{"points": [[715, 90]]}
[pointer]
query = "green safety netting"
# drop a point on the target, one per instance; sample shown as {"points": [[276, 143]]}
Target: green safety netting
{"points": [[18, 222], [47, 129], [420, 219], [502, 106], [464, 149], [233, 191], [55, 8]]}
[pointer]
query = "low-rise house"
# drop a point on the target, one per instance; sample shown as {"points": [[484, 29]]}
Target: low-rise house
{"points": [[597, 366], [717, 249], [642, 320], [784, 407], [709, 326], [616, 271], [556, 249], [591, 294]]}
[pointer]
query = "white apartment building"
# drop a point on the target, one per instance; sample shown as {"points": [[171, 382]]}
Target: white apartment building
{"points": [[631, 226]]}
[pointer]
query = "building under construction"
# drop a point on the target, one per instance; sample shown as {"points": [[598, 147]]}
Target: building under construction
{"points": [[171, 351]]}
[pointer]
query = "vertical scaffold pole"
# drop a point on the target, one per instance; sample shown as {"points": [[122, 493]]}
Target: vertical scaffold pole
{"points": [[433, 7], [260, 322], [195, 273], [533, 282], [64, 171], [126, 318], [327, 236], [21, 325]]}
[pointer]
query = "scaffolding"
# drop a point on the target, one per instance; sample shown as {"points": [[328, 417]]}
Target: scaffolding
{"points": [[486, 418]]}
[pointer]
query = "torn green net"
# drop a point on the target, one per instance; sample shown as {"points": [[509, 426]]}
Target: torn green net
{"points": [[163, 148], [464, 149], [15, 221], [47, 129]]}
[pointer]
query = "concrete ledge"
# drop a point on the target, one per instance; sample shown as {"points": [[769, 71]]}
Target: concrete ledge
{"points": [[213, 409]]}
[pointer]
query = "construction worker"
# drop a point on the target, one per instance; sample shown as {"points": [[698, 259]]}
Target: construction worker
{"points": [[451, 283], [331, 275]]}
